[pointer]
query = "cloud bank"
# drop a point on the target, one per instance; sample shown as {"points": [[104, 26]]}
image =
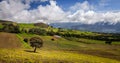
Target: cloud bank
{"points": [[18, 11]]}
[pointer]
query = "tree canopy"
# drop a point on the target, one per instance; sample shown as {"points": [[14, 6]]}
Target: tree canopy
{"points": [[36, 42]]}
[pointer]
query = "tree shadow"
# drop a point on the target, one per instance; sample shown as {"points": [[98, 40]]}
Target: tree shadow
{"points": [[30, 51]]}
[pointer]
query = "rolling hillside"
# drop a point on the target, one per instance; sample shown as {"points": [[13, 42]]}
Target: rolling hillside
{"points": [[62, 50]]}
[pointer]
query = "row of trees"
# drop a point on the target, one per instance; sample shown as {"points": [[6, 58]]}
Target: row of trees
{"points": [[14, 28], [40, 31]]}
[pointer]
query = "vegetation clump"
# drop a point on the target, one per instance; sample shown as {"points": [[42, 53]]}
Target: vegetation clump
{"points": [[108, 42], [11, 27], [26, 40], [38, 31], [52, 39], [36, 42]]}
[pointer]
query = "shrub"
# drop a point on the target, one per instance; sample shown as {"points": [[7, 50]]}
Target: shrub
{"points": [[24, 30], [26, 40], [52, 39], [38, 31], [108, 42]]}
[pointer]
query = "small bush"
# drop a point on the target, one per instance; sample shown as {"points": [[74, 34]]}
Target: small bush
{"points": [[52, 39], [26, 40], [108, 42]]}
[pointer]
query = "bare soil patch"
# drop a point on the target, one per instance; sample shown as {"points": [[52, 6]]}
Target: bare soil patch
{"points": [[9, 40]]}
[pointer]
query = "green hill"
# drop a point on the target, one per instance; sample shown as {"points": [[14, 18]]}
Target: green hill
{"points": [[66, 49], [62, 51], [43, 25]]}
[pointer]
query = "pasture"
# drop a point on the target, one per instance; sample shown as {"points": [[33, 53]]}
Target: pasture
{"points": [[60, 50]]}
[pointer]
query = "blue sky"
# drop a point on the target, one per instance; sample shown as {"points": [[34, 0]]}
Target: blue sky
{"points": [[49, 11], [102, 5]]}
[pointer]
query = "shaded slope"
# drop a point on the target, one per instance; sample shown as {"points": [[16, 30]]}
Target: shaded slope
{"points": [[8, 40]]}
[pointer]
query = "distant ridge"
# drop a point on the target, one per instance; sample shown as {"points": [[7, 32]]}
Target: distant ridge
{"points": [[43, 25], [97, 27], [5, 21]]}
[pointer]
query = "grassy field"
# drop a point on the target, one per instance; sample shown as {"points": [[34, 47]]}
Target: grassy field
{"points": [[23, 25], [46, 56], [62, 50]]}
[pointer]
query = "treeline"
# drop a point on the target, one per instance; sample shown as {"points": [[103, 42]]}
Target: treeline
{"points": [[10, 27], [67, 34], [95, 37], [15, 28]]}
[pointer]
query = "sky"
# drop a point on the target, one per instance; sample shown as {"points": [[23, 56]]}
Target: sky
{"points": [[52, 11]]}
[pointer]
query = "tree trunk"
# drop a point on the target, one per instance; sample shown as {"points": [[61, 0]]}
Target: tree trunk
{"points": [[35, 49]]}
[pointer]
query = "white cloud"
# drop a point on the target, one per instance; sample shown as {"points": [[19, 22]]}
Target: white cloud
{"points": [[44, 0], [9, 9], [51, 12], [84, 6], [83, 12], [17, 11], [92, 17]]}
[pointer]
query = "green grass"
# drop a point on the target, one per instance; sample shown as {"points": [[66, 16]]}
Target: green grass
{"points": [[90, 41], [61, 44], [23, 25], [24, 45], [1, 26], [116, 42], [62, 50], [45, 56]]}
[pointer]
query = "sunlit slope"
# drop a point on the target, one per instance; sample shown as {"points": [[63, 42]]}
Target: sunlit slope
{"points": [[84, 46]]}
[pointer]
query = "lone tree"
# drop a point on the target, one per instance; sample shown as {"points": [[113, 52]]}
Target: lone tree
{"points": [[36, 42]]}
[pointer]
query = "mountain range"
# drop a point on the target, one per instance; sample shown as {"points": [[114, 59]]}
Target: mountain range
{"points": [[97, 27]]}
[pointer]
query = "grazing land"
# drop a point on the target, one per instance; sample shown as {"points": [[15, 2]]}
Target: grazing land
{"points": [[69, 47]]}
